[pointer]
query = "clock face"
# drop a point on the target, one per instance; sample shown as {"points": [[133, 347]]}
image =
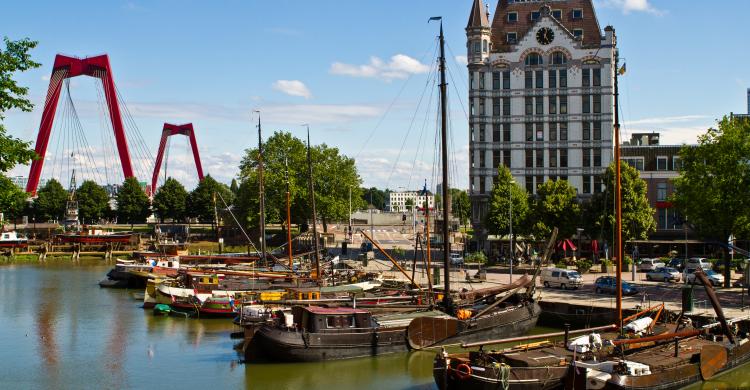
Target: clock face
{"points": [[545, 36]]}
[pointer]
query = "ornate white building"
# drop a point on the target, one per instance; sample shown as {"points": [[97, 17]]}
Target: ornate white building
{"points": [[541, 96], [397, 200]]}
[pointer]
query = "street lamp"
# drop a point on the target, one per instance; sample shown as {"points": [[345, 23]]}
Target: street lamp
{"points": [[512, 250], [579, 230]]}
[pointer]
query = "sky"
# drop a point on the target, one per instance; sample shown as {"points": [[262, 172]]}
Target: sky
{"points": [[359, 73]]}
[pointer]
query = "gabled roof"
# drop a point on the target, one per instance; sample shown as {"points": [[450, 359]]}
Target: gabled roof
{"points": [[478, 15], [500, 26]]}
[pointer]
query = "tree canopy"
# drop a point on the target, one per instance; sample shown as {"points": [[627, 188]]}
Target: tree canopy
{"points": [[555, 206], [93, 202], [379, 197], [12, 199], [51, 200], [460, 205], [201, 200], [132, 203], [505, 191], [170, 201]]}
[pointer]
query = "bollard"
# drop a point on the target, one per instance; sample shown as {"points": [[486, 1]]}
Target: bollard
{"points": [[567, 330]]}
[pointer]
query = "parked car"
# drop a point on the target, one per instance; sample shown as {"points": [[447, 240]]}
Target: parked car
{"points": [[698, 262], [456, 259], [649, 264], [562, 278], [677, 263], [608, 284], [714, 277], [664, 274]]}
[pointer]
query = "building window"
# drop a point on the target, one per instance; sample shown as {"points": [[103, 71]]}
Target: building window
{"points": [[586, 130], [481, 106], [539, 158], [530, 184], [471, 80], [534, 59], [471, 107], [477, 47], [481, 80], [586, 184], [495, 106], [563, 158], [586, 157], [539, 100], [506, 106], [662, 213], [585, 77], [481, 133], [539, 78], [635, 162], [552, 79], [496, 133], [506, 80], [535, 15], [597, 75], [553, 105], [597, 131], [529, 106], [578, 13], [506, 158], [512, 17], [563, 78], [540, 131], [481, 185], [661, 192], [597, 157], [529, 158], [495, 80], [553, 131], [578, 33], [553, 158], [597, 103], [563, 105], [506, 132], [511, 38], [557, 14], [586, 104], [529, 79], [563, 131], [676, 163], [597, 184], [496, 158], [484, 45], [661, 163], [529, 131], [558, 58]]}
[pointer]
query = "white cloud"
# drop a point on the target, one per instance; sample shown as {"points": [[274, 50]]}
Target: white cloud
{"points": [[400, 66], [292, 88], [462, 60], [628, 6], [673, 130], [668, 120], [318, 113]]}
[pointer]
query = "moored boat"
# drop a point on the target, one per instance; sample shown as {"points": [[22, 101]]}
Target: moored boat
{"points": [[11, 239]]}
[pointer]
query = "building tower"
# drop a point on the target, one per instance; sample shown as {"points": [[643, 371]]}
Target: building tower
{"points": [[541, 99]]}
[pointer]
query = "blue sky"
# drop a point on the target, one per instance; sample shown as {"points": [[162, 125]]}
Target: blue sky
{"points": [[354, 70]]}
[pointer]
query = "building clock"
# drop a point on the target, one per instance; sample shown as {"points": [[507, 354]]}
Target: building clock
{"points": [[545, 36]]}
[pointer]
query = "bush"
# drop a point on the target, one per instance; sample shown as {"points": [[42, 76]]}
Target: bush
{"points": [[583, 265], [607, 263], [476, 257]]}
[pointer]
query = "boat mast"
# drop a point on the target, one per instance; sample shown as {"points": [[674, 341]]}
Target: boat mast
{"points": [[618, 194], [262, 195], [312, 203], [447, 301], [288, 218]]}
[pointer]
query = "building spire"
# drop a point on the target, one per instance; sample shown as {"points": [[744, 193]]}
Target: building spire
{"points": [[478, 16]]}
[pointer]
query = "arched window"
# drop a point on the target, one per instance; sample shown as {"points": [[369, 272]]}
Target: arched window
{"points": [[477, 46], [484, 45], [534, 59], [559, 58]]}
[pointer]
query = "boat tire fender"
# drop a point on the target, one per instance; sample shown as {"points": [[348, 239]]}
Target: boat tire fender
{"points": [[463, 371]]}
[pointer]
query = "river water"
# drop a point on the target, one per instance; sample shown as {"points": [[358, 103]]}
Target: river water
{"points": [[59, 330]]}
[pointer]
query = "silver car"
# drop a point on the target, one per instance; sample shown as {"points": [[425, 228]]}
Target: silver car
{"points": [[664, 274]]}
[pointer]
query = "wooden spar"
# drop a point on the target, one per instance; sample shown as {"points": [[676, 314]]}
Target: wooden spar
{"points": [[666, 336], [403, 271], [715, 303], [429, 255], [499, 301], [656, 318], [262, 195], [288, 218], [316, 255], [447, 300], [636, 315], [537, 336], [618, 199]]}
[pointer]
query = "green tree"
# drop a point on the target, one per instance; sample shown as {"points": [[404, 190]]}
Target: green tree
{"points": [[170, 201], [637, 215], [555, 206], [460, 205], [14, 58], [497, 219], [409, 204], [51, 200], [132, 203], [93, 202], [379, 197], [12, 199], [712, 188], [201, 199], [334, 174], [234, 187]]}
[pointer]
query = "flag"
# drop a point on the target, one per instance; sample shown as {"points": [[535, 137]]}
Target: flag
{"points": [[435, 18], [623, 69]]}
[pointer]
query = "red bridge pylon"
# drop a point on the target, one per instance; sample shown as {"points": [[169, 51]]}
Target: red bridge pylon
{"points": [[170, 130]]}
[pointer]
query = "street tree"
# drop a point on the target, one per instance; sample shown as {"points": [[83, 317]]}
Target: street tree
{"points": [[374, 196], [409, 203], [12, 199], [555, 205], [201, 200], [170, 201], [132, 203], [711, 191], [93, 202], [334, 174], [504, 192], [51, 200], [460, 205]]}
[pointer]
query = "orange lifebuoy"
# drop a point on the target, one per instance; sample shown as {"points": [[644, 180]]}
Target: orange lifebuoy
{"points": [[463, 371]]}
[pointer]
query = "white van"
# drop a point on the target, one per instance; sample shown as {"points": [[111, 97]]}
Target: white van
{"points": [[697, 262], [563, 278], [650, 264]]}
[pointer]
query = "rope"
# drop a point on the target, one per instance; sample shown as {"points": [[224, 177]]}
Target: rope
{"points": [[504, 375]]}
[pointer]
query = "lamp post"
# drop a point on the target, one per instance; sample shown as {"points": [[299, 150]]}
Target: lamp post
{"points": [[510, 224], [579, 231]]}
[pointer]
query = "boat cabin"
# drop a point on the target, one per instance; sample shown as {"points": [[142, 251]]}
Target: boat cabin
{"points": [[322, 319]]}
